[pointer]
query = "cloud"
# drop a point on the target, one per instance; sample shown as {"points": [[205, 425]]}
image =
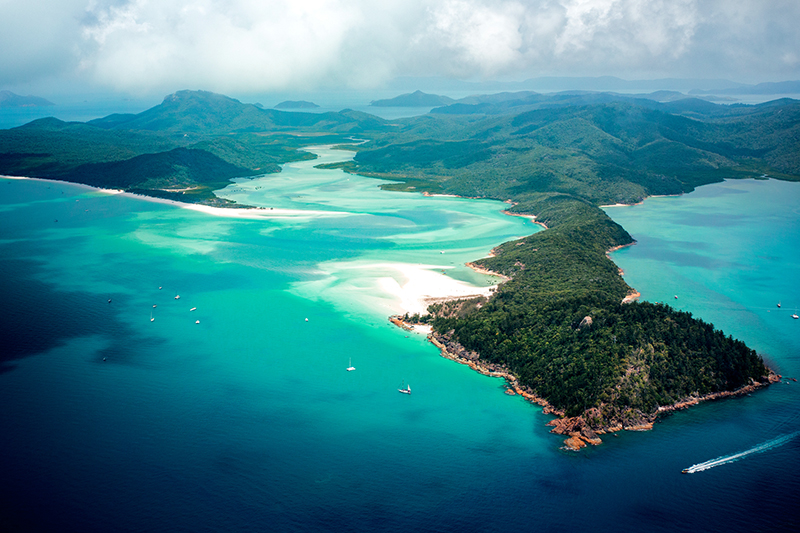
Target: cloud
{"points": [[263, 45], [37, 37], [485, 39], [474, 37], [230, 44]]}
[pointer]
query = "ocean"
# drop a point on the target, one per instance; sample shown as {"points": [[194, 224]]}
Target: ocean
{"points": [[239, 415]]}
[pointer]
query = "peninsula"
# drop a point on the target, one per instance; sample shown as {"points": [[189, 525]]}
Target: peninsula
{"points": [[558, 328]]}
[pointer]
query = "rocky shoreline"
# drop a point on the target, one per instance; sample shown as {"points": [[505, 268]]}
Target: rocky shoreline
{"points": [[586, 428]]}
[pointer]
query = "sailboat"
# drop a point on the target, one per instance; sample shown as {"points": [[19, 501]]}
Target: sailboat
{"points": [[407, 390], [351, 367]]}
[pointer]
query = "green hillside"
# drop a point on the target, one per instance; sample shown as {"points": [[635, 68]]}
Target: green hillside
{"points": [[559, 324], [190, 144], [605, 153], [624, 360]]}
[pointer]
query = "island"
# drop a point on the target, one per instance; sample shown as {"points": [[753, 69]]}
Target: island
{"points": [[9, 99], [415, 99], [296, 104], [564, 330]]}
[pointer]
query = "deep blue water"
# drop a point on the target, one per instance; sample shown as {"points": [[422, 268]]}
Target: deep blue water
{"points": [[247, 421]]}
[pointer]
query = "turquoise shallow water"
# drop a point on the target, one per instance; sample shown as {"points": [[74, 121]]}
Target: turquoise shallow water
{"points": [[248, 420], [730, 252]]}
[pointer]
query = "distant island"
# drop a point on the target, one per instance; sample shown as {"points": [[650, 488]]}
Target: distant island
{"points": [[565, 329], [415, 99], [296, 104], [767, 88], [9, 99]]}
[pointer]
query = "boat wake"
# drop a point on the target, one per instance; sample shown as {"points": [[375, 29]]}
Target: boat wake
{"points": [[770, 444]]}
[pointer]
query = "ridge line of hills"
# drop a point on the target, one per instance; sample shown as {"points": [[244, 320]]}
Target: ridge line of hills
{"points": [[600, 83]]}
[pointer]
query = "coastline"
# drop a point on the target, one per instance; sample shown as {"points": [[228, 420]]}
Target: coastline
{"points": [[532, 218], [422, 293], [578, 430], [455, 352], [634, 295], [481, 270], [252, 213], [640, 202]]}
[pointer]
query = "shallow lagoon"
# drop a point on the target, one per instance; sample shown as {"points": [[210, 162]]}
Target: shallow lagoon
{"points": [[248, 420]]}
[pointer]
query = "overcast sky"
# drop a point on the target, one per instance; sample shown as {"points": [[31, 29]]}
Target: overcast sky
{"points": [[158, 46]]}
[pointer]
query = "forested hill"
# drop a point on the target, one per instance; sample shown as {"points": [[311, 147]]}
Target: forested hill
{"points": [[560, 325], [184, 148], [202, 113], [603, 153]]}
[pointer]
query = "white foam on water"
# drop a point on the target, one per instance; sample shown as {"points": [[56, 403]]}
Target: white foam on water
{"points": [[719, 461]]}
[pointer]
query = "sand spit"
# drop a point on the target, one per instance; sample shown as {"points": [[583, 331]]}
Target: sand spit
{"points": [[252, 213]]}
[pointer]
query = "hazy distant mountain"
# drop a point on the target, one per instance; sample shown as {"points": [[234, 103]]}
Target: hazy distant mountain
{"points": [[517, 102], [296, 104], [415, 99], [524, 101], [781, 87], [9, 99], [556, 84], [611, 83]]}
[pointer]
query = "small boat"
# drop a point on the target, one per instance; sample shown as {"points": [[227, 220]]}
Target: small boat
{"points": [[795, 316], [192, 309], [779, 305], [407, 390], [306, 320], [196, 321], [351, 367], [159, 288], [154, 306], [676, 296], [151, 316], [685, 471], [109, 300], [177, 296]]}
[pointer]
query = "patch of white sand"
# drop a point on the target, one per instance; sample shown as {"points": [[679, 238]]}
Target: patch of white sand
{"points": [[412, 287]]}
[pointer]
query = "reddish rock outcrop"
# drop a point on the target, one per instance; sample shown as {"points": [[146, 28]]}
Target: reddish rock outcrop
{"points": [[587, 427]]}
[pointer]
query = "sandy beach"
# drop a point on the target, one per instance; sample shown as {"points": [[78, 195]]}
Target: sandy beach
{"points": [[228, 212], [532, 218], [640, 202], [415, 287]]}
